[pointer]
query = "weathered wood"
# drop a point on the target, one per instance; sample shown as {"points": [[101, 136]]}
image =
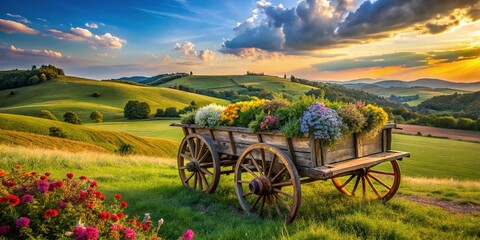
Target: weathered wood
{"points": [[384, 140], [291, 151], [185, 131], [313, 156], [325, 172], [389, 139], [232, 143]]}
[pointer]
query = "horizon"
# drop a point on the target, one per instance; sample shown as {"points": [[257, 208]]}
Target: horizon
{"points": [[322, 40]]}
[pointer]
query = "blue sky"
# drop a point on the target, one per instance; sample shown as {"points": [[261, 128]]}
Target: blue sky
{"points": [[311, 38]]}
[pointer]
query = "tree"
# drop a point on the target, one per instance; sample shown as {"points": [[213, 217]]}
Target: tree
{"points": [[47, 115], [446, 122], [43, 77], [136, 110], [125, 149], [191, 73], [57, 132], [285, 76], [160, 113], [12, 93], [96, 117], [96, 94], [34, 67], [171, 112], [71, 117], [466, 123], [293, 79]]}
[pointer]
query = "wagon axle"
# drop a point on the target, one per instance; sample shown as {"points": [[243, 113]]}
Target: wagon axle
{"points": [[261, 186], [193, 166]]}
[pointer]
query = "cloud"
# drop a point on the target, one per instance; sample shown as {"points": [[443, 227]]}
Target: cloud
{"points": [[91, 25], [206, 55], [15, 27], [187, 48], [105, 55], [42, 19], [31, 52], [81, 34], [401, 59], [318, 24], [253, 54], [19, 17]]}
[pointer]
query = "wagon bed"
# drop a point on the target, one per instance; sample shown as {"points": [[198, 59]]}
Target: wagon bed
{"points": [[267, 164]]}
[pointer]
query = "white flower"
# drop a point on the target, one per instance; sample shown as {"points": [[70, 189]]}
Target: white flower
{"points": [[160, 222], [80, 224], [146, 217], [209, 115], [68, 234]]}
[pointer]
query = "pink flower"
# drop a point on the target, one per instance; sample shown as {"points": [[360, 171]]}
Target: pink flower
{"points": [[62, 204], [188, 235], [129, 233], [43, 186], [88, 233], [4, 230], [27, 198], [22, 222], [116, 227]]}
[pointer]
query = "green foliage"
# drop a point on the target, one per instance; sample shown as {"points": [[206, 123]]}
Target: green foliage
{"points": [[71, 117], [256, 123], [96, 117], [466, 124], [159, 113], [188, 117], [446, 122], [12, 93], [292, 128], [30, 77], [57, 132], [43, 77], [375, 118], [163, 78], [47, 115], [96, 94], [296, 110], [353, 119], [462, 105], [125, 149], [136, 110], [171, 112]]}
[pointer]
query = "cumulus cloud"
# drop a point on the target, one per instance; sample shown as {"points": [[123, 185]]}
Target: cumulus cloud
{"points": [[42, 19], [81, 34], [15, 27], [188, 51], [253, 54], [105, 55], [91, 25], [19, 17], [33, 52], [316, 24], [401, 59]]}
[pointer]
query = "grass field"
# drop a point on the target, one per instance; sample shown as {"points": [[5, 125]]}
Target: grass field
{"points": [[109, 141], [75, 94], [272, 83], [152, 185], [423, 92]]}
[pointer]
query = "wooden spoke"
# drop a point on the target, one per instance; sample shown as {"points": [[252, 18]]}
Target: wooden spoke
{"points": [[204, 170], [373, 187], [191, 147], [382, 172], [269, 202], [204, 156], [364, 187], [185, 156], [346, 182], [195, 182], [200, 184], [182, 168], [356, 185], [189, 177], [379, 181]]}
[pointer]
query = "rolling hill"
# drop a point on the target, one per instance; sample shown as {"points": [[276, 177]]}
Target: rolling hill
{"points": [[461, 105], [24, 130], [75, 94]]}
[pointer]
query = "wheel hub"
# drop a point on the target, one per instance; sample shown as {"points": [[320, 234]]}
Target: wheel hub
{"points": [[361, 172], [193, 166], [261, 186]]}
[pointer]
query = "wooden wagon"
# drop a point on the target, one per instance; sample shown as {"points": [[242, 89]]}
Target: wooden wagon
{"points": [[268, 167]]}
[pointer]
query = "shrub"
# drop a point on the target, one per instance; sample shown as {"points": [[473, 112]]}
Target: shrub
{"points": [[34, 206], [292, 128], [12, 93], [159, 113], [353, 118], [47, 115], [188, 118], [419, 133], [446, 122], [136, 110], [57, 132], [171, 112], [96, 117], [96, 94], [376, 117], [71, 117], [43, 77], [324, 123], [125, 149], [466, 124], [209, 116]]}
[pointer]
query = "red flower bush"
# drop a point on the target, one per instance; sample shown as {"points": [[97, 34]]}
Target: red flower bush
{"points": [[33, 206]]}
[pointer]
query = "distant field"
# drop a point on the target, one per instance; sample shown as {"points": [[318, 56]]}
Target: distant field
{"points": [[109, 141], [424, 92], [152, 185], [222, 83], [431, 157], [468, 135], [75, 94]]}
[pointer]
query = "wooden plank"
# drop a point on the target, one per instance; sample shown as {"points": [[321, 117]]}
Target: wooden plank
{"points": [[389, 139], [373, 148], [384, 140], [358, 144], [212, 136], [291, 152], [259, 138], [320, 153], [185, 131], [232, 143], [340, 155], [301, 144], [326, 172], [245, 138], [313, 157]]}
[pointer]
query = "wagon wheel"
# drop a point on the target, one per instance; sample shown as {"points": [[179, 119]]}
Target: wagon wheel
{"points": [[267, 182], [198, 163], [380, 181]]}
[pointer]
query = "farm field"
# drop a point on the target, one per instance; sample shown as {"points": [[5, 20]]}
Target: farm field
{"points": [[75, 94], [439, 132], [151, 185], [431, 157]]}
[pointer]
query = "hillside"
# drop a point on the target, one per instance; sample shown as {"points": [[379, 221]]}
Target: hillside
{"points": [[109, 141], [75, 94], [463, 105]]}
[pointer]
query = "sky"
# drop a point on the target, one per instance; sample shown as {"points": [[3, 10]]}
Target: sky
{"points": [[312, 39]]}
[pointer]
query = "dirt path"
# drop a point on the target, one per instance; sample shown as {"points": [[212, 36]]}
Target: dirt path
{"points": [[439, 132], [449, 206]]}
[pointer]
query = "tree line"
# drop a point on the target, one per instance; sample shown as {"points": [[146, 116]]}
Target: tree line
{"points": [[22, 78]]}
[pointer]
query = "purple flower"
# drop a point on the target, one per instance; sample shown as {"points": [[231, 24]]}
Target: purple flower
{"points": [[27, 198], [22, 222], [129, 233], [4, 230], [188, 235], [43, 186], [323, 122], [61, 204]]}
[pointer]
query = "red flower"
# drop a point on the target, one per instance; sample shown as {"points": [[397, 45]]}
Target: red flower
{"points": [[69, 175], [118, 196], [82, 194], [12, 199], [145, 227], [47, 174], [120, 215], [90, 205], [58, 184], [18, 166], [2, 173], [83, 178], [50, 213], [102, 198], [98, 194], [114, 218], [9, 184], [104, 215], [43, 177], [93, 183], [124, 204], [139, 224], [33, 173]]}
